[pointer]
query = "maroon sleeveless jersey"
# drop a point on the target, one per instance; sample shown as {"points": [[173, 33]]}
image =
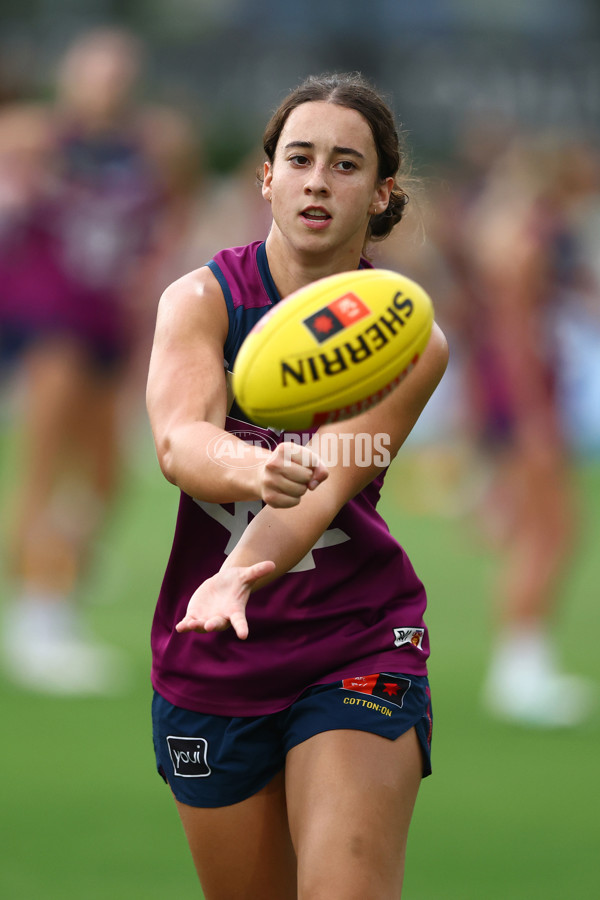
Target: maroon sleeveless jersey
{"points": [[352, 606]]}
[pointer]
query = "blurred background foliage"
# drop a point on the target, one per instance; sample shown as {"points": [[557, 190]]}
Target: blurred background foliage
{"points": [[228, 62]]}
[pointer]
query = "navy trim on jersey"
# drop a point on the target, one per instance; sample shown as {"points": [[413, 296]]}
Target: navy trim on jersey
{"points": [[265, 273], [241, 318], [214, 268]]}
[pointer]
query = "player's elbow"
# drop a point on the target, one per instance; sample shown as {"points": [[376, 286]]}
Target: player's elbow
{"points": [[166, 457], [438, 353]]}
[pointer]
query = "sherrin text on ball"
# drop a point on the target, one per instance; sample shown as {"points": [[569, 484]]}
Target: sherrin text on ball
{"points": [[332, 349]]}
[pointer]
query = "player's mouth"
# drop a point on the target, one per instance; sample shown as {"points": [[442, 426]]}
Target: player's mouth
{"points": [[315, 217]]}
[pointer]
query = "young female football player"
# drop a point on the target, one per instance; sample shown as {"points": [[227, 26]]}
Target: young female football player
{"points": [[291, 713]]}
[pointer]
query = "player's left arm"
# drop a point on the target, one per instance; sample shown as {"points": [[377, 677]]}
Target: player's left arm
{"points": [[285, 536], [290, 534]]}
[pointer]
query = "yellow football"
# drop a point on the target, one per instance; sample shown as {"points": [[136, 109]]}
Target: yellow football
{"points": [[332, 349]]}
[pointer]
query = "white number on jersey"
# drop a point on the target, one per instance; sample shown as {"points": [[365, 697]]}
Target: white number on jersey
{"points": [[243, 511]]}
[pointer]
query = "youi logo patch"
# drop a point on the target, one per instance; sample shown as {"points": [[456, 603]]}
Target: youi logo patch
{"points": [[188, 755]]}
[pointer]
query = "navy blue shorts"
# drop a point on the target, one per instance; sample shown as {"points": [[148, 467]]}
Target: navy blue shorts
{"points": [[211, 761]]}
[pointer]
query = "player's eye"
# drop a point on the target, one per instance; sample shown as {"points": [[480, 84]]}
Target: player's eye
{"points": [[345, 165], [298, 160]]}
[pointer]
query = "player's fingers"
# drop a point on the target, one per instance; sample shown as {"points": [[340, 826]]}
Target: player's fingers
{"points": [[319, 474], [288, 470], [239, 625], [189, 623], [216, 623], [304, 456], [314, 471], [279, 500], [290, 477], [280, 491], [258, 570]]}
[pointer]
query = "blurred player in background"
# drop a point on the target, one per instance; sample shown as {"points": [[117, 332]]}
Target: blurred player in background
{"points": [[515, 251], [294, 749], [93, 200]]}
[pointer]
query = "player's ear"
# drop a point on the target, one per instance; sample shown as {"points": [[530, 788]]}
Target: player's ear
{"points": [[381, 195], [267, 180]]}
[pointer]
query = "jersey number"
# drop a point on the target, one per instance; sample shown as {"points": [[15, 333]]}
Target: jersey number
{"points": [[237, 522]]}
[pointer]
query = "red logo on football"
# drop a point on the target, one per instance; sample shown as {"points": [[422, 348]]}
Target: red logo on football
{"points": [[349, 309], [323, 323]]}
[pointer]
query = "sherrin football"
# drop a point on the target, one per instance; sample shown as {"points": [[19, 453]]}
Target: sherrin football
{"points": [[332, 349]]}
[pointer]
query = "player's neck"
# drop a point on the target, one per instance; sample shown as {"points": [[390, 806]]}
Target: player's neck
{"points": [[292, 270]]}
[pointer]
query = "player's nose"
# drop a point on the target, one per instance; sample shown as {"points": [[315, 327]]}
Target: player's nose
{"points": [[317, 181]]}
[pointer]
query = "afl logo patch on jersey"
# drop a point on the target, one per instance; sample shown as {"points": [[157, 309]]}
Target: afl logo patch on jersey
{"points": [[412, 636], [188, 756]]}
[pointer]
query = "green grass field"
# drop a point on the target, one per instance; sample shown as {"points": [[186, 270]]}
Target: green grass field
{"points": [[507, 815]]}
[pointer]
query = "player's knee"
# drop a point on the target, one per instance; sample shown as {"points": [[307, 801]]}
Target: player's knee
{"points": [[357, 869]]}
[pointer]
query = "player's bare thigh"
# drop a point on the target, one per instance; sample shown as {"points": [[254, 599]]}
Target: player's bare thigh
{"points": [[350, 798], [243, 851]]}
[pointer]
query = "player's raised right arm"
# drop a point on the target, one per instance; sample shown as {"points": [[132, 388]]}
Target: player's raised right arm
{"points": [[187, 405]]}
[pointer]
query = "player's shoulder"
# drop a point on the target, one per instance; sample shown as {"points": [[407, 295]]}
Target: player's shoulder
{"points": [[195, 287], [207, 280], [239, 257], [192, 303]]}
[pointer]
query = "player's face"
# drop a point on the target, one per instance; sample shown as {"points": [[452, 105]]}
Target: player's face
{"points": [[99, 78], [323, 184]]}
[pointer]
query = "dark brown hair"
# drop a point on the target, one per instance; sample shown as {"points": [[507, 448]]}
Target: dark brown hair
{"points": [[354, 92]]}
